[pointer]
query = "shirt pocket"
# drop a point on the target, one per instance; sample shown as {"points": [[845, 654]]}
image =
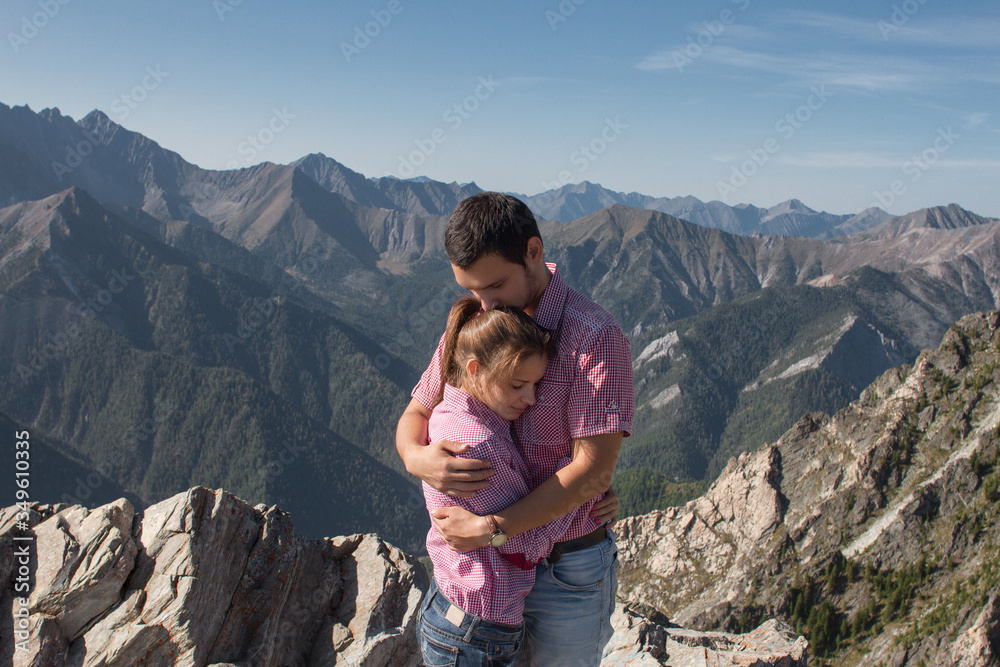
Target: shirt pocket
{"points": [[546, 422]]}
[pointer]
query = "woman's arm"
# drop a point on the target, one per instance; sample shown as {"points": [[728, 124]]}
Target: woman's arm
{"points": [[588, 476]]}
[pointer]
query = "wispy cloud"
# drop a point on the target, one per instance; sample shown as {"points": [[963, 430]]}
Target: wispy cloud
{"points": [[850, 53], [870, 160], [957, 33], [526, 80], [972, 120]]}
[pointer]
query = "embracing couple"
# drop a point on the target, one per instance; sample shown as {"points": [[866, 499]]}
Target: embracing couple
{"points": [[515, 429]]}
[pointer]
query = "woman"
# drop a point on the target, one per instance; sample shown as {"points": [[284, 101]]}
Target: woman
{"points": [[492, 362]]}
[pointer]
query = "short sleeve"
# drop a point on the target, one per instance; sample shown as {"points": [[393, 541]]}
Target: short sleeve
{"points": [[427, 388], [537, 543], [602, 397]]}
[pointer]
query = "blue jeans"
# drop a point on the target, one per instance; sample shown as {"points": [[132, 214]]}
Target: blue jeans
{"points": [[476, 642], [567, 615]]}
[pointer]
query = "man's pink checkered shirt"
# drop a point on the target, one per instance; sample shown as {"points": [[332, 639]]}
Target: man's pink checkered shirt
{"points": [[586, 391]]}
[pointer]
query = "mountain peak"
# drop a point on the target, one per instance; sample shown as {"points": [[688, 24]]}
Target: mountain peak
{"points": [[786, 207], [951, 216], [98, 116]]}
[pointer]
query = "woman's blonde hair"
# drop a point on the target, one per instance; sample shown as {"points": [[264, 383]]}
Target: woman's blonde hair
{"points": [[500, 340]]}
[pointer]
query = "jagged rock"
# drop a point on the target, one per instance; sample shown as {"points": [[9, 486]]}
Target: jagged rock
{"points": [[83, 560], [979, 646], [901, 484], [203, 578], [686, 548], [639, 642], [46, 647]]}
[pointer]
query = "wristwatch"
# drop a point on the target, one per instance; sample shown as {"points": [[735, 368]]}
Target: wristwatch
{"points": [[498, 538]]}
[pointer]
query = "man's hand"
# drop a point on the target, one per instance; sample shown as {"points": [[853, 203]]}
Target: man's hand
{"points": [[461, 530], [606, 509], [436, 463], [442, 470]]}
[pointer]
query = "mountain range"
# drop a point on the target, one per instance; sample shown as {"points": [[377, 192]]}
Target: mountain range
{"points": [[303, 300], [792, 217]]}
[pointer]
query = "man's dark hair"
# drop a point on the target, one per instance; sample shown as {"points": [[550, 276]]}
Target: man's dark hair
{"points": [[489, 223]]}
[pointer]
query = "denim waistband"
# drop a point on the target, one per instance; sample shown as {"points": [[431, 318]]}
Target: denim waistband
{"points": [[439, 601]]}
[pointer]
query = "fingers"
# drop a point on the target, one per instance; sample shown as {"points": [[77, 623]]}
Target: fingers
{"points": [[451, 446], [602, 503], [459, 489], [465, 475], [602, 517], [466, 489]]}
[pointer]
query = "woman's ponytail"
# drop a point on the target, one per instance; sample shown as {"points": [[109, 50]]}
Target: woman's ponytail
{"points": [[461, 313]]}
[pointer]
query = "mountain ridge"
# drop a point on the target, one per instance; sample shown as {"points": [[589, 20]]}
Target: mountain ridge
{"points": [[858, 528], [424, 197]]}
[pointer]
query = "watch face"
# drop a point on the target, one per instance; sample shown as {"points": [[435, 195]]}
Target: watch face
{"points": [[498, 539]]}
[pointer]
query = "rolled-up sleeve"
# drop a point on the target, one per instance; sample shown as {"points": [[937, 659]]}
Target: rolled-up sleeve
{"points": [[602, 397]]}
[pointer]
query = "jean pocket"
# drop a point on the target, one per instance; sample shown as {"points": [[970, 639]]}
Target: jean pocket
{"points": [[588, 577], [436, 652]]}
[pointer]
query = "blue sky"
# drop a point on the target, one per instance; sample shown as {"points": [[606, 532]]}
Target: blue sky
{"points": [[842, 105]]}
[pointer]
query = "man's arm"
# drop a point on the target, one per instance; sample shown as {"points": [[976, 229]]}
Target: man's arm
{"points": [[436, 463], [587, 476]]}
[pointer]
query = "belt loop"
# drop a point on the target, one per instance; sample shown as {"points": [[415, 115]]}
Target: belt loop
{"points": [[473, 624], [429, 595]]}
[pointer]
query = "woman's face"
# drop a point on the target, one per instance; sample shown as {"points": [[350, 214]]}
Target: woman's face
{"points": [[512, 398]]}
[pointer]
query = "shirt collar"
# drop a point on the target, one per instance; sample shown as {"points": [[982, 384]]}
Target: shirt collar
{"points": [[550, 306], [456, 399]]}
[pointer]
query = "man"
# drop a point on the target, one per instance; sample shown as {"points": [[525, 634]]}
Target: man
{"points": [[584, 408]]}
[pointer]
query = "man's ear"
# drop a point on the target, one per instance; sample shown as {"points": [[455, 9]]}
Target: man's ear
{"points": [[534, 251]]}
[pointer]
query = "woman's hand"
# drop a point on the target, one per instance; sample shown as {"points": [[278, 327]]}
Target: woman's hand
{"points": [[461, 530], [606, 509]]}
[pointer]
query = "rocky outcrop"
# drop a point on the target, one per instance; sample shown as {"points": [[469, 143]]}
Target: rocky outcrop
{"points": [[875, 531], [981, 643], [203, 578], [641, 642]]}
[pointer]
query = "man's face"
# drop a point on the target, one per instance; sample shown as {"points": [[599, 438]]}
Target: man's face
{"points": [[494, 280]]}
